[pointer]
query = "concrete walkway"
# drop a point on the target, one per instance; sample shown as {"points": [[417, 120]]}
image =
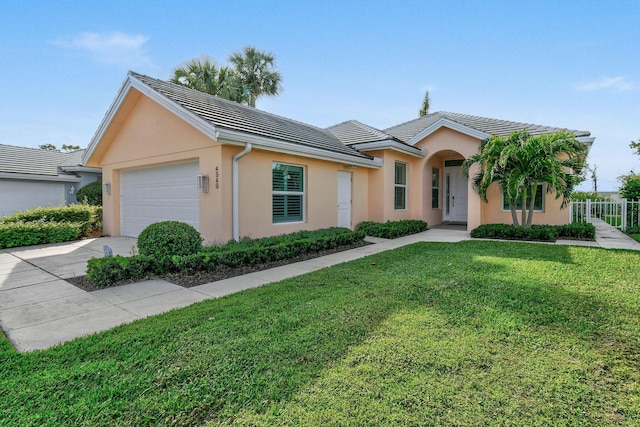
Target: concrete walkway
{"points": [[39, 309]]}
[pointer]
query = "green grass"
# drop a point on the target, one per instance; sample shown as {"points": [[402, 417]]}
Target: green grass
{"points": [[472, 333], [635, 236], [614, 220]]}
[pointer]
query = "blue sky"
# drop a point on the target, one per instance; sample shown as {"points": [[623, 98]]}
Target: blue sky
{"points": [[566, 64]]}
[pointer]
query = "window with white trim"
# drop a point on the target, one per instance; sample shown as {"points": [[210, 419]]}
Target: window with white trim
{"points": [[400, 186], [538, 204], [287, 192], [435, 188]]}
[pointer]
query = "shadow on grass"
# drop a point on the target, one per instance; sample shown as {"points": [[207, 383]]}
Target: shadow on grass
{"points": [[258, 348]]}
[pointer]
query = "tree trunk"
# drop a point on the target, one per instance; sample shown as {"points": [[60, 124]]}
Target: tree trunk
{"points": [[524, 207], [514, 215], [532, 204]]}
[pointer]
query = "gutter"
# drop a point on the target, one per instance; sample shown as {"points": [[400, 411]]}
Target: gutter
{"points": [[236, 191]]}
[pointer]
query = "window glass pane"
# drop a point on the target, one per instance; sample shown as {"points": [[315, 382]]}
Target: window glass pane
{"points": [[435, 198], [435, 178], [400, 198], [401, 174]]}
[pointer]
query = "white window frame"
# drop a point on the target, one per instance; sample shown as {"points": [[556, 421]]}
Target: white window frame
{"points": [[290, 193], [397, 185]]}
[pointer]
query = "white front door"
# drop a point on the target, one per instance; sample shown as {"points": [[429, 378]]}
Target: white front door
{"points": [[344, 199], [456, 195]]}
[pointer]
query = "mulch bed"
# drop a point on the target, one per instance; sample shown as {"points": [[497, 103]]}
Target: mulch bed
{"points": [[221, 272]]}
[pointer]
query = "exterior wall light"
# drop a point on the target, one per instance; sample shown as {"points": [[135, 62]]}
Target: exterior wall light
{"points": [[107, 187], [203, 183]]}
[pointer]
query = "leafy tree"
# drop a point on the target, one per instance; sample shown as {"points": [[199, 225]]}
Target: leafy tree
{"points": [[67, 148], [205, 76], [521, 161], [630, 189], [425, 105], [257, 74], [635, 145], [48, 147]]}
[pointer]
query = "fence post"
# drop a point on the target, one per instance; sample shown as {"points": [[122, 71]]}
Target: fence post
{"points": [[589, 210], [623, 220]]}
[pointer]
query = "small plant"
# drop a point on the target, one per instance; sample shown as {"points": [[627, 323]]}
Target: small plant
{"points": [[168, 238], [91, 194]]}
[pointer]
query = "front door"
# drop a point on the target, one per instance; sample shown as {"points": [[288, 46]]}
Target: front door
{"points": [[344, 199], [456, 195]]}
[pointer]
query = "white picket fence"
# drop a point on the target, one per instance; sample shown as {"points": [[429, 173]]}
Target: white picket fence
{"points": [[621, 214]]}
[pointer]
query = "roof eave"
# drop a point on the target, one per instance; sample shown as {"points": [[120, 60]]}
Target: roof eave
{"points": [[390, 144], [34, 177], [240, 138]]}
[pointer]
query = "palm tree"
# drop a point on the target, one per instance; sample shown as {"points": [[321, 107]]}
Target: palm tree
{"points": [[205, 76], [521, 161], [256, 72]]}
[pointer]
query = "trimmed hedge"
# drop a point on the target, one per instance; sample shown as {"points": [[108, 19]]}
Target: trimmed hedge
{"points": [[392, 229], [108, 271], [49, 225], [545, 233], [15, 234]]}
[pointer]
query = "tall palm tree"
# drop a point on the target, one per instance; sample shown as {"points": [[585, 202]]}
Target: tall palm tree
{"points": [[257, 74], [205, 76], [521, 161]]}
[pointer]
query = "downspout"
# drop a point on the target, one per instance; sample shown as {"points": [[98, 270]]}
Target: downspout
{"points": [[236, 191]]}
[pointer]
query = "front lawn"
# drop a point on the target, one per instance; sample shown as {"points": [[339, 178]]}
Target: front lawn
{"points": [[471, 333]]}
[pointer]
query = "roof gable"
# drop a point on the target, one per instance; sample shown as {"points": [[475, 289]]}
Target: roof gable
{"points": [[476, 126]]}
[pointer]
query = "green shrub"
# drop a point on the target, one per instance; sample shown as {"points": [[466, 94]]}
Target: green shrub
{"points": [[248, 252], [392, 229], [633, 230], [545, 233], [19, 233], [168, 238], [91, 193], [109, 270], [89, 217]]}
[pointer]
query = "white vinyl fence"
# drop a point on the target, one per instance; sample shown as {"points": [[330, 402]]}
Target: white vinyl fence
{"points": [[621, 214]]}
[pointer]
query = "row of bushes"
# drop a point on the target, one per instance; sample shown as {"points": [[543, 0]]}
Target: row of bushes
{"points": [[49, 225], [545, 233], [392, 229], [248, 252]]}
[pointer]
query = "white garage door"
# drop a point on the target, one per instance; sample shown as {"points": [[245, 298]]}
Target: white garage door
{"points": [[158, 193], [17, 196]]}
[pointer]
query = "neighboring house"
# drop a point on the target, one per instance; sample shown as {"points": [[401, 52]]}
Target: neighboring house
{"points": [[31, 178], [168, 152]]}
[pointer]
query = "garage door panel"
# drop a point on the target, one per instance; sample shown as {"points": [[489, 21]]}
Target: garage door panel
{"points": [[160, 193]]}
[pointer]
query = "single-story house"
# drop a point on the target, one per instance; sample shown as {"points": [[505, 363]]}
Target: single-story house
{"points": [[31, 178], [169, 152]]}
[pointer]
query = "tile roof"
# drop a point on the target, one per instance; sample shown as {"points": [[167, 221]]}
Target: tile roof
{"points": [[233, 116], [408, 130], [355, 132], [35, 161]]}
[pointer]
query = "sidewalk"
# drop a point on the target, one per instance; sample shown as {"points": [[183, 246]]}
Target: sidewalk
{"points": [[39, 309]]}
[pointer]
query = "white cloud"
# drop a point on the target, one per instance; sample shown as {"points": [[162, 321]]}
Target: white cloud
{"points": [[115, 48], [620, 83]]}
